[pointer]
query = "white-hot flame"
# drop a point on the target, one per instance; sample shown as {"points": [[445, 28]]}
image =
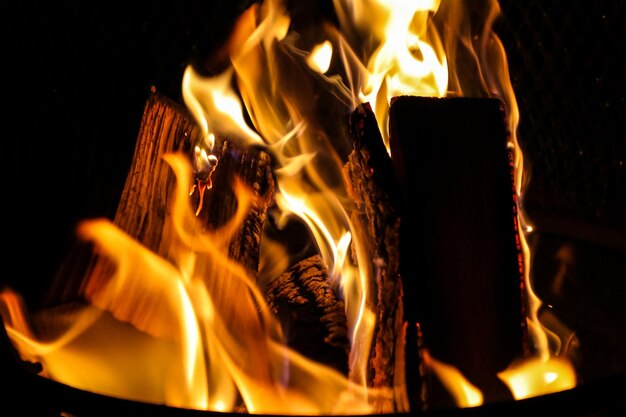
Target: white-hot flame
{"points": [[320, 57]]}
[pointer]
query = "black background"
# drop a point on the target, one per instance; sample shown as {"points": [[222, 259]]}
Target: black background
{"points": [[78, 75]]}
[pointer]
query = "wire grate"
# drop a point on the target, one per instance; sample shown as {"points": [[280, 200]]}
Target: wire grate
{"points": [[567, 70]]}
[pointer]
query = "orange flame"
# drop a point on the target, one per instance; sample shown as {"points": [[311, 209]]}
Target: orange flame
{"points": [[173, 329], [464, 393]]}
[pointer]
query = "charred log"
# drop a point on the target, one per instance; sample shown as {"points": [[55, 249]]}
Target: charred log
{"points": [[459, 224], [372, 186], [253, 167], [144, 204], [313, 318]]}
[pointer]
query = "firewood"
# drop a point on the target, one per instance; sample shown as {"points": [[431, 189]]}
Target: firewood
{"points": [[372, 186], [253, 167], [313, 318], [165, 127], [144, 204], [461, 259]]}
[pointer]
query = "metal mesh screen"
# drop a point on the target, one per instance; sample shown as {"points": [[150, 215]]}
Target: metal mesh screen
{"points": [[568, 72]]}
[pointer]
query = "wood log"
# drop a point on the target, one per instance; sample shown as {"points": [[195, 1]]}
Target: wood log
{"points": [[372, 187], [144, 207], [165, 127], [144, 204], [253, 167], [313, 318], [459, 239]]}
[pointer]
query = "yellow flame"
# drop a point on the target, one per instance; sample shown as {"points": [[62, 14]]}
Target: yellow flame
{"points": [[403, 63], [464, 393], [167, 330], [81, 343], [308, 172], [407, 58], [537, 377], [215, 105], [321, 56]]}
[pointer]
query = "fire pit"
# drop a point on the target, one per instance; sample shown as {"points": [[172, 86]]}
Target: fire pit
{"points": [[300, 277]]}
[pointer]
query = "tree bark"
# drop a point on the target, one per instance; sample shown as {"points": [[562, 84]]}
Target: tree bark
{"points": [[253, 167], [313, 318], [144, 204], [372, 187]]}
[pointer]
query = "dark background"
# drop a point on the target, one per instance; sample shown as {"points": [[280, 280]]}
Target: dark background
{"points": [[79, 75]]}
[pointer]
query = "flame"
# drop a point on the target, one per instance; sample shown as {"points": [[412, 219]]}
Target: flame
{"points": [[537, 376], [464, 393], [407, 58], [308, 173], [196, 346], [214, 103], [321, 56], [172, 324]]}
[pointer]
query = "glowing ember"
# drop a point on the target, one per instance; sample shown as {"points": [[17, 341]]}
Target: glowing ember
{"points": [[190, 327]]}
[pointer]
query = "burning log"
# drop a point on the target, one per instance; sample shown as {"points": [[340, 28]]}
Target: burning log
{"points": [[144, 205], [372, 186], [312, 316], [302, 297], [253, 167], [459, 224], [165, 127]]}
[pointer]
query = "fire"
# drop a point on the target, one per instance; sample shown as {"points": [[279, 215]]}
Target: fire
{"points": [[537, 376], [465, 394], [408, 58], [186, 336], [169, 323], [320, 57]]}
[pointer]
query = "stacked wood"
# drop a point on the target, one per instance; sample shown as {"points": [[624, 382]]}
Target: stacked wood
{"points": [[451, 268], [459, 237], [372, 187]]}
